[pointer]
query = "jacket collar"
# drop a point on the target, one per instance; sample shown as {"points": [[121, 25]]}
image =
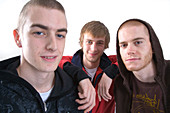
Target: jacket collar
{"points": [[63, 82]]}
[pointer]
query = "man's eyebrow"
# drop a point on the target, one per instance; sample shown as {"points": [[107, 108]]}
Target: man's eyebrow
{"points": [[139, 38], [62, 30], [40, 26], [46, 28], [122, 42], [100, 40]]}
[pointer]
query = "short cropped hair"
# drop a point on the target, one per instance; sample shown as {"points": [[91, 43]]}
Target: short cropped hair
{"points": [[96, 29], [51, 4]]}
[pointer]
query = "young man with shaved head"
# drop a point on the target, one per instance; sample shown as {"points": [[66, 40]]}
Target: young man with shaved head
{"points": [[33, 82]]}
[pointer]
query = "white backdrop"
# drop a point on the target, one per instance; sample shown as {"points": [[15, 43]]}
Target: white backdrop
{"points": [[111, 12]]}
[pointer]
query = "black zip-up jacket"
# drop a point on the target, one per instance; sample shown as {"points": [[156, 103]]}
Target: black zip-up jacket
{"points": [[123, 88], [18, 96]]}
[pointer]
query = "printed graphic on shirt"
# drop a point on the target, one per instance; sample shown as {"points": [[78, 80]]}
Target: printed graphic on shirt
{"points": [[147, 97], [145, 104]]}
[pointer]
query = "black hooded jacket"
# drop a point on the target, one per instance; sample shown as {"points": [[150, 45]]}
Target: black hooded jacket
{"points": [[18, 96], [123, 89]]}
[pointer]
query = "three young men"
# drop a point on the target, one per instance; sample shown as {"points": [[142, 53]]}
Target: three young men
{"points": [[34, 83]]}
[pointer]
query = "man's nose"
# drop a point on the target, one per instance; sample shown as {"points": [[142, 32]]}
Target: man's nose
{"points": [[130, 49], [52, 43], [94, 46]]}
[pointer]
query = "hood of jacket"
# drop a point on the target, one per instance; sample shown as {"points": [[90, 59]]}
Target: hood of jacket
{"points": [[156, 48]]}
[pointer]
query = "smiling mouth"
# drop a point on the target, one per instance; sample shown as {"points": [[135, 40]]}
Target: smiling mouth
{"points": [[49, 58], [93, 54]]}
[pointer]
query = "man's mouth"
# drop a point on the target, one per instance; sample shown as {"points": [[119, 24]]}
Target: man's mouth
{"points": [[49, 58], [132, 59], [93, 54]]}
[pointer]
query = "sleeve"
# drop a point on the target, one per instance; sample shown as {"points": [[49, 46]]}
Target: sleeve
{"points": [[75, 72], [64, 60], [111, 71]]}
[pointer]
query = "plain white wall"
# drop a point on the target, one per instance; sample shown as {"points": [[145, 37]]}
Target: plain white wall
{"points": [[111, 12]]}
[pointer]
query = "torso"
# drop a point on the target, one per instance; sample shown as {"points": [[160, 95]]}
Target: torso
{"points": [[147, 97]]}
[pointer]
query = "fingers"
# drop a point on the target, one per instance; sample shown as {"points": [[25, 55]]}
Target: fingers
{"points": [[89, 108], [103, 88], [99, 94], [103, 92], [105, 95], [87, 102], [83, 98], [87, 95]]}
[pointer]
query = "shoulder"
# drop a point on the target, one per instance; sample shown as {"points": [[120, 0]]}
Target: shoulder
{"points": [[63, 75], [167, 66], [113, 58], [65, 59], [5, 63], [63, 81]]}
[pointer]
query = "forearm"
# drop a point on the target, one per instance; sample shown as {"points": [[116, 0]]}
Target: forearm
{"points": [[75, 72], [111, 71]]}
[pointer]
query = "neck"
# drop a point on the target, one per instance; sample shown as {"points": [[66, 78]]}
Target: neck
{"points": [[41, 81], [91, 65], [147, 74]]}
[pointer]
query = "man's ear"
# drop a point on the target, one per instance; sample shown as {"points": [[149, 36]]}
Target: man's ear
{"points": [[17, 38], [81, 42]]}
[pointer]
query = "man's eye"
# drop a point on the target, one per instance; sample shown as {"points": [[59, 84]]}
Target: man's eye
{"points": [[100, 43], [89, 42], [123, 45], [138, 42], [39, 34], [60, 36]]}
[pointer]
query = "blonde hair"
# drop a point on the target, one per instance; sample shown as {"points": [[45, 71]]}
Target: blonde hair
{"points": [[96, 29]]}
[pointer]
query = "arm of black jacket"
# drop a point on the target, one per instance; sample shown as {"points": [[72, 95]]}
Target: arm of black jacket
{"points": [[75, 72], [111, 71]]}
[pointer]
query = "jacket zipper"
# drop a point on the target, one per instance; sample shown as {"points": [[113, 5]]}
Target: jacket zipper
{"points": [[45, 106]]}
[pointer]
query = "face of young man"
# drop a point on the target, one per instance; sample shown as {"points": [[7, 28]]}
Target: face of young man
{"points": [[43, 39], [135, 47], [92, 50]]}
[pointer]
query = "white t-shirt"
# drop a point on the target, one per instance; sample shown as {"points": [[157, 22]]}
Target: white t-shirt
{"points": [[91, 72], [45, 95]]}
